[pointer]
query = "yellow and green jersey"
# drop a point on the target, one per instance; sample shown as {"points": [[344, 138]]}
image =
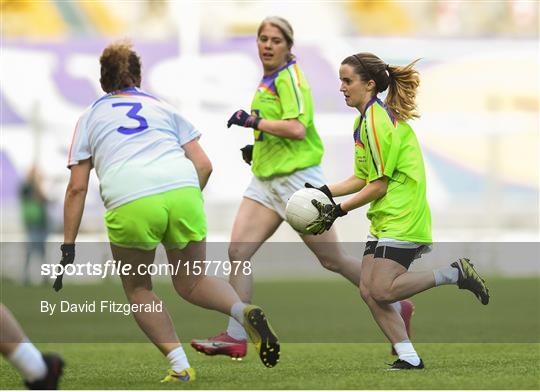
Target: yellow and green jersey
{"points": [[284, 95], [386, 147]]}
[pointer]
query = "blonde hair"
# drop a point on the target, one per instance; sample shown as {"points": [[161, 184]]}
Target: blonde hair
{"points": [[120, 67], [401, 81], [284, 26]]}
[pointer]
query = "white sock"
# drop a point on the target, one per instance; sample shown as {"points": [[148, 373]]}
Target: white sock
{"points": [[406, 352], [446, 275], [178, 359], [237, 312], [396, 306], [235, 330], [28, 361]]}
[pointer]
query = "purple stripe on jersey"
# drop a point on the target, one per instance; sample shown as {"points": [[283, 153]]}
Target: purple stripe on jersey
{"points": [[356, 133], [268, 82], [133, 91], [285, 66], [376, 99]]}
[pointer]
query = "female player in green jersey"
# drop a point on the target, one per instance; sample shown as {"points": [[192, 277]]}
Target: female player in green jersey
{"points": [[389, 174], [286, 154], [152, 171]]}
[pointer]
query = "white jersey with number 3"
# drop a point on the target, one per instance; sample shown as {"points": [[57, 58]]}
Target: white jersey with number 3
{"points": [[135, 142]]}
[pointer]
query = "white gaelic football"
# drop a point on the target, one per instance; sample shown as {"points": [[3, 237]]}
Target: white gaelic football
{"points": [[300, 212]]}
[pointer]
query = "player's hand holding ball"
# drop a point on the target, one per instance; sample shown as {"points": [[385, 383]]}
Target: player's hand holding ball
{"points": [[324, 189], [312, 210], [243, 119], [328, 213], [68, 256]]}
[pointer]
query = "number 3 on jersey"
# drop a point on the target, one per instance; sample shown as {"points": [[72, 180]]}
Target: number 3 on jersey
{"points": [[132, 113]]}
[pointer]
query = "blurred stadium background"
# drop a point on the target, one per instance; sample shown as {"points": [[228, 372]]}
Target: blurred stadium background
{"points": [[479, 100]]}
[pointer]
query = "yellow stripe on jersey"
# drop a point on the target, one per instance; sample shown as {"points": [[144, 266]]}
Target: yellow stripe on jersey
{"points": [[373, 141], [296, 86]]}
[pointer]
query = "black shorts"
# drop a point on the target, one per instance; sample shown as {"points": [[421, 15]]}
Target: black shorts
{"points": [[402, 256]]}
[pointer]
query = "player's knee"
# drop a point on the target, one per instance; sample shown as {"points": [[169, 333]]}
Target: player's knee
{"points": [[365, 292], [382, 295], [185, 287], [138, 294]]}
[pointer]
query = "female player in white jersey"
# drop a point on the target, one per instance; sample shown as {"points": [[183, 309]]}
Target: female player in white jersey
{"points": [[151, 170], [286, 154]]}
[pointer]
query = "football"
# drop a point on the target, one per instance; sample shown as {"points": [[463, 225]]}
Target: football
{"points": [[300, 212]]}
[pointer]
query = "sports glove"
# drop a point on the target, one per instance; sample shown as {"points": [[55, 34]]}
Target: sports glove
{"points": [[324, 189], [328, 213], [68, 256], [247, 153], [243, 119]]}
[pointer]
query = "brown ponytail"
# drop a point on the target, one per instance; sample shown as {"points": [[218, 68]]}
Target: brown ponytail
{"points": [[120, 67], [402, 82], [401, 98]]}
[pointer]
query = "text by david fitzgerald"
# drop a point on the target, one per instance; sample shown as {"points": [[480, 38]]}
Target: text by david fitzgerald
{"points": [[99, 307]]}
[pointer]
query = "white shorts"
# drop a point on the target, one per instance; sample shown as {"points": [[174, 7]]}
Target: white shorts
{"points": [[274, 192], [421, 247]]}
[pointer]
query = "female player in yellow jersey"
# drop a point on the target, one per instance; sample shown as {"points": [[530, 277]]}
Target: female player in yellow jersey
{"points": [[389, 174], [152, 171], [286, 154]]}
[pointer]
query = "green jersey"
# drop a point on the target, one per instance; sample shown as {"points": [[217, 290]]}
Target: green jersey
{"points": [[284, 95], [385, 147]]}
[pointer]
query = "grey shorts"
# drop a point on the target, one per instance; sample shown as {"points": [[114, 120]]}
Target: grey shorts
{"points": [[274, 192]]}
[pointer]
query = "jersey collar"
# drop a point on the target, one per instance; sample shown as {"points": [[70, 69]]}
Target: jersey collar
{"points": [[125, 92], [383, 105], [371, 102], [268, 82], [274, 74]]}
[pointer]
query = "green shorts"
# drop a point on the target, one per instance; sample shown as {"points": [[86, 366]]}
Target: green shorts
{"points": [[174, 218]]}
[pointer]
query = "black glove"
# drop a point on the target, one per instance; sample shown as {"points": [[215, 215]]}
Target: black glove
{"points": [[68, 256], [324, 189], [328, 213], [247, 153], [243, 119]]}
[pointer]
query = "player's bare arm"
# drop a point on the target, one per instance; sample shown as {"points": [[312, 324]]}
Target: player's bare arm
{"points": [[290, 129], [203, 166], [372, 191], [75, 198], [348, 186]]}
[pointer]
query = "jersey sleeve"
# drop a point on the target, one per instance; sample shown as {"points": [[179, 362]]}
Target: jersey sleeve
{"points": [[80, 145], [290, 94], [186, 132], [383, 142]]}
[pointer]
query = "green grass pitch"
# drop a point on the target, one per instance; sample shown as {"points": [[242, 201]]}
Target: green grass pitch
{"points": [[329, 340]]}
